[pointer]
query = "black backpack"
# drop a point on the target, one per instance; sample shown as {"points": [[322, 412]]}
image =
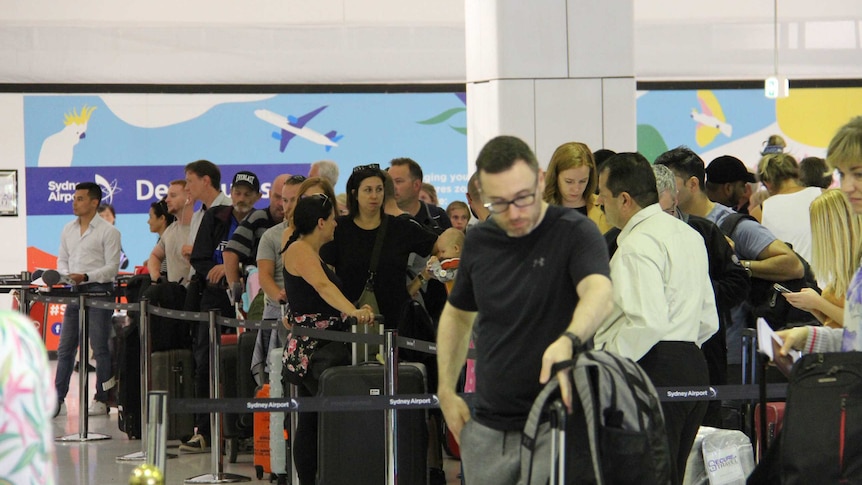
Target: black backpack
{"points": [[821, 438], [767, 302], [168, 333], [415, 323]]}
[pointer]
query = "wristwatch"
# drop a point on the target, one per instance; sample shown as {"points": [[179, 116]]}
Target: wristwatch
{"points": [[422, 279], [576, 341]]}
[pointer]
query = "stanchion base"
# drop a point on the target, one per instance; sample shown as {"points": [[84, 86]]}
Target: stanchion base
{"points": [[77, 438], [139, 456], [136, 456], [220, 478]]}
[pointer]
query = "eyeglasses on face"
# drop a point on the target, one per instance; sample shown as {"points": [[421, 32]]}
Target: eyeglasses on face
{"points": [[296, 179], [370, 166], [500, 206]]}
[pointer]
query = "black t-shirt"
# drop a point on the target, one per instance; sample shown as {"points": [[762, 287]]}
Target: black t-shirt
{"points": [[524, 290], [350, 254], [432, 217], [304, 299]]}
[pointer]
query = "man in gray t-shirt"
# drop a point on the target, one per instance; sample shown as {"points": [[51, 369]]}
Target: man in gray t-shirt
{"points": [[759, 252], [270, 273]]}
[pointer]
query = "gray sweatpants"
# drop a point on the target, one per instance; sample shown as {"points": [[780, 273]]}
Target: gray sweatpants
{"points": [[492, 457]]}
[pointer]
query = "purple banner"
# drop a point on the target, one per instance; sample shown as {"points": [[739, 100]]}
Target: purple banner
{"points": [[130, 190]]}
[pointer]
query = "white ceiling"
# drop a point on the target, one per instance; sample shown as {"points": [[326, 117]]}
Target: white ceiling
{"points": [[379, 41]]}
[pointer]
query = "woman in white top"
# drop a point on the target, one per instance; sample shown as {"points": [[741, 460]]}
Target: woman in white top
{"points": [[785, 212]]}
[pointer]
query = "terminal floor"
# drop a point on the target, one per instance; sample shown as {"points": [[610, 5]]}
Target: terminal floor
{"points": [[95, 462]]}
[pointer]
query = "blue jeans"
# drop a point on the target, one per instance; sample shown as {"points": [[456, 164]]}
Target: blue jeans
{"points": [[100, 333]]}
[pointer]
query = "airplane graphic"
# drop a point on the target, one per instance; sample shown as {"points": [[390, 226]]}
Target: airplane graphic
{"points": [[710, 121], [293, 126]]}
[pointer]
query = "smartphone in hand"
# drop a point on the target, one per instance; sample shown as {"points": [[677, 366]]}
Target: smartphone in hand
{"points": [[781, 289]]}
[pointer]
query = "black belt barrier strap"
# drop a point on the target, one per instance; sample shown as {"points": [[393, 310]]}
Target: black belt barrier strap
{"points": [[426, 401]]}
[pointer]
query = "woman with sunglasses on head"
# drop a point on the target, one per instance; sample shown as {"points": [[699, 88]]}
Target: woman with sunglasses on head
{"points": [[315, 298], [350, 252], [160, 218]]}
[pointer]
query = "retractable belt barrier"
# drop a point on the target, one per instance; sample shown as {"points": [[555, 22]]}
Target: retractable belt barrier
{"points": [[428, 401], [371, 403]]}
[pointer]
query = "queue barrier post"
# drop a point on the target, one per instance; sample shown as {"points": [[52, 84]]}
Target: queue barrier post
{"points": [[146, 344], [157, 430], [749, 376], [24, 298], [390, 378], [217, 461]]}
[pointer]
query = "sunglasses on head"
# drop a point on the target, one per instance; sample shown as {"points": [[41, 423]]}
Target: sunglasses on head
{"points": [[370, 166]]}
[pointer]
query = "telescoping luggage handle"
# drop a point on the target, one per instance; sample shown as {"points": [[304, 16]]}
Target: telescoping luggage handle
{"points": [[365, 349], [557, 414]]}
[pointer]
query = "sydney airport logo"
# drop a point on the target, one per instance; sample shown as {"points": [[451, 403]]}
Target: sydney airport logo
{"points": [[64, 191]]}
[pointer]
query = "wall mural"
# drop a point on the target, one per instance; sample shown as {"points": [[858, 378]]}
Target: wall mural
{"points": [[738, 121], [133, 145]]}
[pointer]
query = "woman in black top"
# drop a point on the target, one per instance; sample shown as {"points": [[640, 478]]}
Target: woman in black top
{"points": [[350, 252], [315, 301]]}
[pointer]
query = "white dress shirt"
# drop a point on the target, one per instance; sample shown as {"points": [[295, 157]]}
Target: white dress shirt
{"points": [[662, 290], [95, 253]]}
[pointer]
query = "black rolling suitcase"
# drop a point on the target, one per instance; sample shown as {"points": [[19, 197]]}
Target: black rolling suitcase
{"points": [[127, 357], [237, 381], [129, 381], [173, 371], [351, 445]]}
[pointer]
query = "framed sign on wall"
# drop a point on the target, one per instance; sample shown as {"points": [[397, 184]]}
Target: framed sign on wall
{"points": [[8, 192]]}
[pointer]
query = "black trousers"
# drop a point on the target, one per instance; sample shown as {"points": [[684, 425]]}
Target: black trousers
{"points": [[211, 298], [671, 364], [305, 439]]}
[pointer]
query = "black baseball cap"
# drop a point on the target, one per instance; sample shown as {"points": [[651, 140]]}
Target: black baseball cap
{"points": [[726, 169], [247, 178]]}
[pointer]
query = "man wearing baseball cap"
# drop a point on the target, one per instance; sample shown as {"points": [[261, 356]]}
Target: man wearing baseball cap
{"points": [[727, 182], [217, 227]]}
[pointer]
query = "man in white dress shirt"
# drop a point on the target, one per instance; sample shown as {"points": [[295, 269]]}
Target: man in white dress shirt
{"points": [[664, 306], [90, 255]]}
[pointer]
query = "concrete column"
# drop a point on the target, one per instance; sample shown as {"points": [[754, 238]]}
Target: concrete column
{"points": [[549, 72]]}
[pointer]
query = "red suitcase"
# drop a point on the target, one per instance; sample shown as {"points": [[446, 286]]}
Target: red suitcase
{"points": [[261, 437], [774, 418]]}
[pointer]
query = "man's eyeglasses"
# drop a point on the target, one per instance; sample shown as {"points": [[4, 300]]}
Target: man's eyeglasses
{"points": [[296, 179], [370, 166], [500, 206]]}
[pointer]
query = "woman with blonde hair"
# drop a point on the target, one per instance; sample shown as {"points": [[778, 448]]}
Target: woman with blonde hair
{"points": [[785, 211], [836, 253], [571, 181]]}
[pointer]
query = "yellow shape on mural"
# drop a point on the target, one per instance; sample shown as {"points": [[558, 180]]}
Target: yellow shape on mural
{"points": [[710, 120], [812, 116]]}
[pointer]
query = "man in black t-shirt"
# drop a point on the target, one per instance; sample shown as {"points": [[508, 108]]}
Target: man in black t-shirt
{"points": [[533, 283], [407, 177]]}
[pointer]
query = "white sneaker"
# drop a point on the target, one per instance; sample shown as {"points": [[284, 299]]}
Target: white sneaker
{"points": [[97, 408], [61, 410]]}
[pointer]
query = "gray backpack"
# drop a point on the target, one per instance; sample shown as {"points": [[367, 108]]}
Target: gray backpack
{"points": [[615, 434]]}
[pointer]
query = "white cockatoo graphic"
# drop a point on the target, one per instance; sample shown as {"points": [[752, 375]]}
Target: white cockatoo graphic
{"points": [[59, 148]]}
